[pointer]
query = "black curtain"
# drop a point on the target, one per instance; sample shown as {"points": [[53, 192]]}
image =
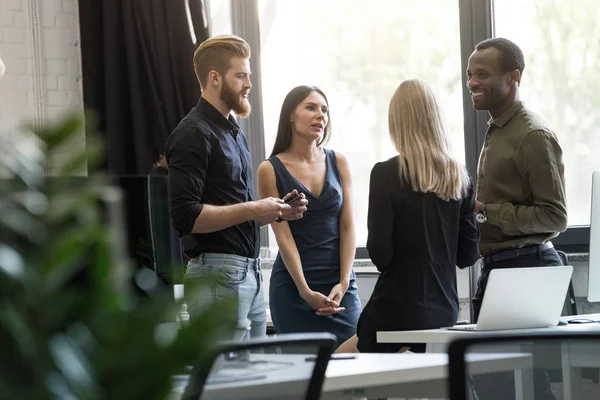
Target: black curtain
{"points": [[138, 76]]}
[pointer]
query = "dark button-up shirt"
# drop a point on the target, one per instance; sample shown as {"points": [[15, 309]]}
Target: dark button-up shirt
{"points": [[209, 163], [521, 179]]}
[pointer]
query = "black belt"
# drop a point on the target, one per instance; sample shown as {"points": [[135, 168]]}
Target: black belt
{"points": [[516, 253]]}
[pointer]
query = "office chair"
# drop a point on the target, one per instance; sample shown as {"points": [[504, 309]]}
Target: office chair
{"points": [[250, 369], [507, 366], [570, 307], [167, 256]]}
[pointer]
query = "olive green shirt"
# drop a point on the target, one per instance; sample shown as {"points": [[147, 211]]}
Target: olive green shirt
{"points": [[521, 180]]}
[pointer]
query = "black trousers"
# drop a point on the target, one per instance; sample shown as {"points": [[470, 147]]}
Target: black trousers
{"points": [[500, 386]]}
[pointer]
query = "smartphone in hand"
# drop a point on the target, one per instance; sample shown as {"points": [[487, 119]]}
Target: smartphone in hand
{"points": [[289, 201], [293, 199]]}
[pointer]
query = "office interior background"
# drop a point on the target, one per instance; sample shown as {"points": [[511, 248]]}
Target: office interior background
{"points": [[357, 52]]}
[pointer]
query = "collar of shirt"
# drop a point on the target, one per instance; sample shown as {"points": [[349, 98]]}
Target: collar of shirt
{"points": [[508, 114], [227, 124]]}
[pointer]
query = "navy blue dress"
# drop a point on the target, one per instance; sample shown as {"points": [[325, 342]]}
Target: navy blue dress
{"points": [[317, 237]]}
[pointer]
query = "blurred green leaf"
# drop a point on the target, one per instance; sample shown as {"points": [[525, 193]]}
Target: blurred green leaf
{"points": [[72, 325], [57, 133]]}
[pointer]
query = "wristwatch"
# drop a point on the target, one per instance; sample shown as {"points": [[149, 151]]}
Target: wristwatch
{"points": [[481, 216]]}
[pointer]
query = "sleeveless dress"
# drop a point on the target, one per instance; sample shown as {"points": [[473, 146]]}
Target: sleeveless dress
{"points": [[317, 237]]}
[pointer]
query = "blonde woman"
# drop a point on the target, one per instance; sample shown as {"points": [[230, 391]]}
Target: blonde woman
{"points": [[421, 224]]}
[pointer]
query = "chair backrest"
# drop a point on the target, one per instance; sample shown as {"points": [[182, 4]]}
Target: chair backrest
{"points": [[151, 239], [290, 366], [528, 366], [167, 254]]}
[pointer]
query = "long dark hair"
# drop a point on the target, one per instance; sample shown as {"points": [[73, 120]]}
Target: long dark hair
{"points": [[284, 130]]}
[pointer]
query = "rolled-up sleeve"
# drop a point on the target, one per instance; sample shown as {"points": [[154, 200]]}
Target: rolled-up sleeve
{"points": [[188, 152], [380, 220]]}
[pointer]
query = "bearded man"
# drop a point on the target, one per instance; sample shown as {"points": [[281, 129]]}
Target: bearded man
{"points": [[212, 190]]}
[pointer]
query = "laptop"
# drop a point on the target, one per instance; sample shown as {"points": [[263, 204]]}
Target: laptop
{"points": [[521, 298]]}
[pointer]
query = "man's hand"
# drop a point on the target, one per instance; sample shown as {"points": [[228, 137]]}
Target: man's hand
{"points": [[297, 208], [267, 210]]}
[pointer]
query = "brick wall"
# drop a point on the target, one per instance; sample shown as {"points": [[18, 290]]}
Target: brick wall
{"points": [[39, 43]]}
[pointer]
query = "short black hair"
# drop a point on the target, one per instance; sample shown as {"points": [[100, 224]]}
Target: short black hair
{"points": [[512, 56]]}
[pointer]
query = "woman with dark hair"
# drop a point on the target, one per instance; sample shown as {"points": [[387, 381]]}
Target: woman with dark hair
{"points": [[313, 285]]}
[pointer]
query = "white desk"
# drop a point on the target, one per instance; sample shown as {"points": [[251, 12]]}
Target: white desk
{"points": [[405, 375], [437, 340], [371, 375], [573, 357]]}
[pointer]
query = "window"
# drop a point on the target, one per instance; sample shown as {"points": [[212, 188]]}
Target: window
{"points": [[358, 52], [561, 45], [220, 17]]}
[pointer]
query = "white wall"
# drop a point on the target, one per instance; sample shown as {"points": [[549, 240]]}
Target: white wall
{"points": [[39, 43]]}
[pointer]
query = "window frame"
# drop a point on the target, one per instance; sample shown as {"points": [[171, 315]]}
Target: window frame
{"points": [[244, 23], [476, 24]]}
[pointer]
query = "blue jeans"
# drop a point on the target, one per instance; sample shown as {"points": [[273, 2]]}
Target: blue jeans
{"points": [[239, 278]]}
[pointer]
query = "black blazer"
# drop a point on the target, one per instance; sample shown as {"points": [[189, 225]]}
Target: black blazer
{"points": [[416, 240]]}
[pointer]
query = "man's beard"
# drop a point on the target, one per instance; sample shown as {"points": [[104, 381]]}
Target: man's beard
{"points": [[235, 101]]}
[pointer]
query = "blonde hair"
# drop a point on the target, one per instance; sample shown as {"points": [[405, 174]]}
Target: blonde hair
{"points": [[418, 133], [215, 53]]}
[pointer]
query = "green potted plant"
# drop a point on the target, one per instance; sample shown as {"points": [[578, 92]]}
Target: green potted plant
{"points": [[70, 327]]}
